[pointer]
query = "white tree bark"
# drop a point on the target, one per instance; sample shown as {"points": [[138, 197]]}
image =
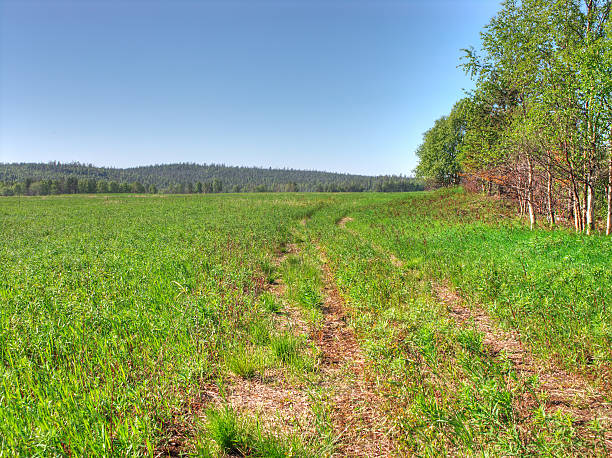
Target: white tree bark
{"points": [[609, 223], [530, 206]]}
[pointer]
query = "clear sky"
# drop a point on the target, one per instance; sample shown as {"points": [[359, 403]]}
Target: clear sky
{"points": [[338, 85]]}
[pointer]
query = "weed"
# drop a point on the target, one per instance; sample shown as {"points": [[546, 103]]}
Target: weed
{"points": [[247, 362], [235, 435]]}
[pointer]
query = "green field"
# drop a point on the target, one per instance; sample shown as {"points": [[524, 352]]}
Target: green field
{"points": [[299, 325]]}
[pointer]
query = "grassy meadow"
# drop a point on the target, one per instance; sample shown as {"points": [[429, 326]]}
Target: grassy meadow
{"points": [[200, 325]]}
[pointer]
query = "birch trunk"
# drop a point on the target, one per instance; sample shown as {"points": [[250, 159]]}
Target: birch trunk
{"points": [[585, 198], [609, 223], [590, 210], [551, 210], [577, 209], [519, 193], [532, 215]]}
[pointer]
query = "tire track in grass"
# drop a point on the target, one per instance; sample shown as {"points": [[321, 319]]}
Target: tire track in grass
{"points": [[283, 408], [356, 413], [292, 318], [562, 391], [280, 408]]}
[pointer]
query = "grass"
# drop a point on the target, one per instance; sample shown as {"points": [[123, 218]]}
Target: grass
{"points": [[247, 362], [555, 288], [229, 433], [115, 311], [302, 275], [445, 390]]}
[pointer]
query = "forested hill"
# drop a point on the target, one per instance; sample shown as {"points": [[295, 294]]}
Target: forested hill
{"points": [[68, 178]]}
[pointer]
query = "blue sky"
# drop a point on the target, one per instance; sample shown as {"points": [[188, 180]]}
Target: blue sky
{"points": [[334, 85]]}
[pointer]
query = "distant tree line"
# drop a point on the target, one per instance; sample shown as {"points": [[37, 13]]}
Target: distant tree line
{"points": [[75, 178], [538, 126]]}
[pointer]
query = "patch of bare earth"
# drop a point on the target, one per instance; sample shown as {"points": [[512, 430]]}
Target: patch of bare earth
{"points": [[357, 410], [280, 408], [181, 428], [342, 222], [569, 393]]}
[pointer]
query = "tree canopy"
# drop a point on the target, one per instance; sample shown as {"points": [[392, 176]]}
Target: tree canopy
{"points": [[538, 124]]}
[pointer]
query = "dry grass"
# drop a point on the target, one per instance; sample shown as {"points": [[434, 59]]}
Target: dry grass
{"points": [[342, 222], [357, 409]]}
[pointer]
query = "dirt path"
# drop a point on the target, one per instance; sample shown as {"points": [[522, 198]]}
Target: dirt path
{"points": [[563, 391], [357, 414], [569, 393], [280, 406]]}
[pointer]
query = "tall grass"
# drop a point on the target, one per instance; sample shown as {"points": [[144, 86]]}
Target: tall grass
{"points": [[554, 287], [446, 392], [115, 309]]}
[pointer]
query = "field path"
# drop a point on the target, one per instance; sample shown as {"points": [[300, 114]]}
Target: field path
{"points": [[278, 404], [562, 391], [357, 414]]}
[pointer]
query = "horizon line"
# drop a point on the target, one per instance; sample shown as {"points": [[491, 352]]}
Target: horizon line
{"points": [[204, 164]]}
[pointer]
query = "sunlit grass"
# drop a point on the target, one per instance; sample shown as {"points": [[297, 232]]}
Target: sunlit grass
{"points": [[114, 312]]}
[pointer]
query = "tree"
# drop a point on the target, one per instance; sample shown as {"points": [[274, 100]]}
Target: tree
{"points": [[439, 153], [102, 187], [540, 119]]}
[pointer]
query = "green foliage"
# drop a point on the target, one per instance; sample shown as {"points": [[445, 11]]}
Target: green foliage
{"points": [[115, 311], [113, 307], [439, 153], [447, 393], [538, 123], [247, 362]]}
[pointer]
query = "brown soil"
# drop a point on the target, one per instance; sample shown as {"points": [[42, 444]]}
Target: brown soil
{"points": [[561, 390], [359, 425], [357, 414], [342, 222], [280, 407]]}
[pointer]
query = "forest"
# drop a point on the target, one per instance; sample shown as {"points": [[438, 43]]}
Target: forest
{"points": [[185, 178], [538, 125]]}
